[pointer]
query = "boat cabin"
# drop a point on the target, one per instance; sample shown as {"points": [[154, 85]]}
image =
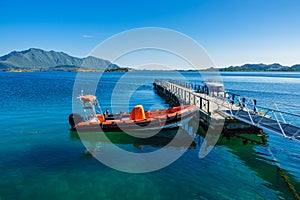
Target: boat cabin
{"points": [[214, 89]]}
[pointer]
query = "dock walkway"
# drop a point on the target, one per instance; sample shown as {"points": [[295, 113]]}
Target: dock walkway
{"points": [[231, 107]]}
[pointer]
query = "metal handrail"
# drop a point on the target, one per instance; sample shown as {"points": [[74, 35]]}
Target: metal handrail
{"points": [[245, 104], [228, 105], [184, 84], [170, 86]]}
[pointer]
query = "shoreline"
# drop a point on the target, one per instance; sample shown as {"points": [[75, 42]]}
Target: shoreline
{"points": [[133, 70]]}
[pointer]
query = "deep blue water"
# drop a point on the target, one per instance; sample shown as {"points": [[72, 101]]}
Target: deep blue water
{"points": [[40, 158]]}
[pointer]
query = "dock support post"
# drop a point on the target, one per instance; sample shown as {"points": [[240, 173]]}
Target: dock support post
{"points": [[254, 102], [243, 102], [200, 103], [208, 107], [233, 96]]}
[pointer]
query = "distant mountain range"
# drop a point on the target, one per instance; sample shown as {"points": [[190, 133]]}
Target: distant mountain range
{"points": [[38, 59], [259, 67]]}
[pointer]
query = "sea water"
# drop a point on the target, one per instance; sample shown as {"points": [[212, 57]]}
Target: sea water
{"points": [[40, 159]]}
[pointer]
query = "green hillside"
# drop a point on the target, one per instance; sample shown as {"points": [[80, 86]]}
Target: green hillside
{"points": [[38, 59]]}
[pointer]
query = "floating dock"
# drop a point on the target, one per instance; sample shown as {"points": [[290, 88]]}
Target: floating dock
{"points": [[241, 114]]}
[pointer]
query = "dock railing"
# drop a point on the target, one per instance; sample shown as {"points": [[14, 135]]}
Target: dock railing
{"points": [[280, 118], [186, 96], [273, 116]]}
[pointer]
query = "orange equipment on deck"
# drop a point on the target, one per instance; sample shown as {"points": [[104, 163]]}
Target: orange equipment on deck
{"points": [[137, 113]]}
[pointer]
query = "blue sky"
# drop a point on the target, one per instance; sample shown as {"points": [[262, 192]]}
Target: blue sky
{"points": [[233, 32]]}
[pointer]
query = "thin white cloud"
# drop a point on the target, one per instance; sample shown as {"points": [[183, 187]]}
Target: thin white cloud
{"points": [[87, 36]]}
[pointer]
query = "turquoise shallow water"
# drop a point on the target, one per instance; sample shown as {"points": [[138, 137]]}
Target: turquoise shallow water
{"points": [[41, 159]]}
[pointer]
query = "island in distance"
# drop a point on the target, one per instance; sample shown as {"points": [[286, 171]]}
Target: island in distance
{"points": [[35, 59], [258, 68]]}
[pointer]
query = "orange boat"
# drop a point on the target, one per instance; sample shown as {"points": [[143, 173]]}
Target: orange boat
{"points": [[136, 120]]}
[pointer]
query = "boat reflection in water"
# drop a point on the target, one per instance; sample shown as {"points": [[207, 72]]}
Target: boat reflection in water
{"points": [[176, 138]]}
